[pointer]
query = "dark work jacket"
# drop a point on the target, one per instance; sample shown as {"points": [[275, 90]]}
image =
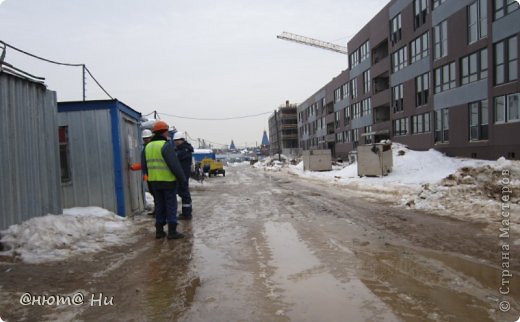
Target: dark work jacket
{"points": [[171, 159], [184, 152]]}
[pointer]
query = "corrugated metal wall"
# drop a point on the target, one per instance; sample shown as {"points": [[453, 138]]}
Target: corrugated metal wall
{"points": [[91, 159], [29, 153]]}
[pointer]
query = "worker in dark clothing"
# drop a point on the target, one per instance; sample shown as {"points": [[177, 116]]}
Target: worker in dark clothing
{"points": [[165, 174], [184, 152]]}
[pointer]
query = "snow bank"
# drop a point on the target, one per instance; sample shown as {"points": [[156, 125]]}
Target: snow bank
{"points": [[238, 164], [57, 237], [467, 189], [410, 168]]}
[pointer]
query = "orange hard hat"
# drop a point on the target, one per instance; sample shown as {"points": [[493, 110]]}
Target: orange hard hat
{"points": [[160, 126]]}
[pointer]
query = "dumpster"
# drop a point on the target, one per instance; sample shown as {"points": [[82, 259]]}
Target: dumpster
{"points": [[374, 159], [317, 160]]}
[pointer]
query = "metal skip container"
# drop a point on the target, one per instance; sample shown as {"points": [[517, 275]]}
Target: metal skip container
{"points": [[317, 160], [374, 159]]}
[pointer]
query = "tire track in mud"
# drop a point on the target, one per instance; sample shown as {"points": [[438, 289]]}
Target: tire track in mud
{"points": [[405, 257]]}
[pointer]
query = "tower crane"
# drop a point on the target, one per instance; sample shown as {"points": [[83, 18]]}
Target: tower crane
{"points": [[313, 42]]}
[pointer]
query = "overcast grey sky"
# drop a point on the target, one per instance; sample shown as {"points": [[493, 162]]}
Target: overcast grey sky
{"points": [[204, 58]]}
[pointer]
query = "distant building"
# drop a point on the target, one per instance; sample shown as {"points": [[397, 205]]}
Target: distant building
{"points": [[283, 130], [264, 147], [98, 140], [29, 155], [232, 146], [428, 74], [265, 140]]}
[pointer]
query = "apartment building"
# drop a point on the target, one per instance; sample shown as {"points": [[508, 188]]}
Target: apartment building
{"points": [[283, 131], [437, 74]]}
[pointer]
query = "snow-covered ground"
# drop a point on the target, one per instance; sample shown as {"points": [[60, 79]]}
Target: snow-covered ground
{"points": [[57, 237], [468, 189]]}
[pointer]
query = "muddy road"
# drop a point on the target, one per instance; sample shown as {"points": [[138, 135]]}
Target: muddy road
{"points": [[268, 246]]}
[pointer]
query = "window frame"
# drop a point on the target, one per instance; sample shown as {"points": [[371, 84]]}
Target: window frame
{"points": [[481, 126], [440, 40]]}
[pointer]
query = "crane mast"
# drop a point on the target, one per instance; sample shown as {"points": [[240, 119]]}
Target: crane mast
{"points": [[313, 42]]}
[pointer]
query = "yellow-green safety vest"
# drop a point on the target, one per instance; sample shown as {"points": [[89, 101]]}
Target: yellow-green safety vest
{"points": [[158, 170]]}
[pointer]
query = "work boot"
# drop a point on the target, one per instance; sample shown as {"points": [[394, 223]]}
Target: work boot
{"points": [[172, 232], [159, 231]]}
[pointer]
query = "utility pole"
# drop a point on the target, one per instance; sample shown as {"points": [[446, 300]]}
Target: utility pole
{"points": [[278, 136]]}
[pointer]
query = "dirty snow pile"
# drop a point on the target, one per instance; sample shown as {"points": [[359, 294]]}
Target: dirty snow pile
{"points": [[238, 164], [468, 189], [272, 163], [148, 202], [57, 237]]}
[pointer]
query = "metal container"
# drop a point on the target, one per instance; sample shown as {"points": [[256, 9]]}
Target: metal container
{"points": [[374, 159], [317, 160]]}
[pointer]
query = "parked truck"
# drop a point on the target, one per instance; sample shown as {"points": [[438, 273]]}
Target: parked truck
{"points": [[212, 167]]}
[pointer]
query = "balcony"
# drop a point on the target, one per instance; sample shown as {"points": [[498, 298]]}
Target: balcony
{"points": [[381, 113], [380, 51], [381, 82], [381, 98]]}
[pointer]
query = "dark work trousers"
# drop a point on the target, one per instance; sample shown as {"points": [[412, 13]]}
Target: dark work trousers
{"points": [[184, 193], [165, 206]]}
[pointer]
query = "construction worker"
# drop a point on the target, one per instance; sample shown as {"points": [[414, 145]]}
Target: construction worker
{"points": [[184, 152], [147, 137], [165, 174]]}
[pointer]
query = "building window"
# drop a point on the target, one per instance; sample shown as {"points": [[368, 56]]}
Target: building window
{"points": [[395, 29], [504, 7], [366, 106], [399, 59], [420, 12], [440, 40], [364, 51], [355, 136], [353, 87], [506, 61], [345, 90], [347, 136], [445, 78], [63, 135], [421, 123], [323, 102], [336, 119], [422, 89], [354, 59], [369, 139], [337, 95], [400, 127], [437, 3], [419, 48], [397, 98], [356, 110], [477, 20], [507, 108], [347, 115], [474, 67], [478, 121], [366, 81], [442, 129]]}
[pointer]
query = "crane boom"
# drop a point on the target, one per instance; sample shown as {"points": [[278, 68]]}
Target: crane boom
{"points": [[313, 42]]}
